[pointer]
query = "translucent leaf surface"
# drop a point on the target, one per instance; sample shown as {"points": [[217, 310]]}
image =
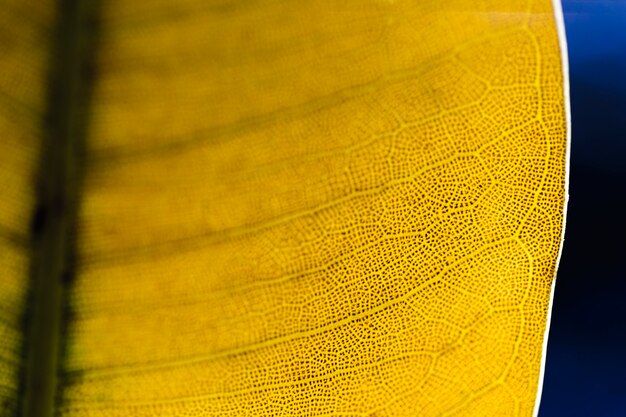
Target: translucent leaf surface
{"points": [[316, 208]]}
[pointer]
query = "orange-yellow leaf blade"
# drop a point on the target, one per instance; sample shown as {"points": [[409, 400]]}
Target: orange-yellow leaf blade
{"points": [[319, 208]]}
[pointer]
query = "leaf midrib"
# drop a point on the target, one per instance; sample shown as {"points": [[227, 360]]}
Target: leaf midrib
{"points": [[58, 188]]}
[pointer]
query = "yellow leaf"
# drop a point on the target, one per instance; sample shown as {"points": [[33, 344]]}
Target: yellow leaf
{"points": [[312, 208]]}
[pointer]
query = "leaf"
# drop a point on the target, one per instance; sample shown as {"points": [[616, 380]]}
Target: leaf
{"points": [[300, 208]]}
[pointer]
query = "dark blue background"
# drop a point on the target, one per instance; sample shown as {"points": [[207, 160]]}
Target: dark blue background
{"points": [[586, 364]]}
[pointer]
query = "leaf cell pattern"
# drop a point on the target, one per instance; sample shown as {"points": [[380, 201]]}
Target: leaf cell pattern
{"points": [[319, 209]]}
